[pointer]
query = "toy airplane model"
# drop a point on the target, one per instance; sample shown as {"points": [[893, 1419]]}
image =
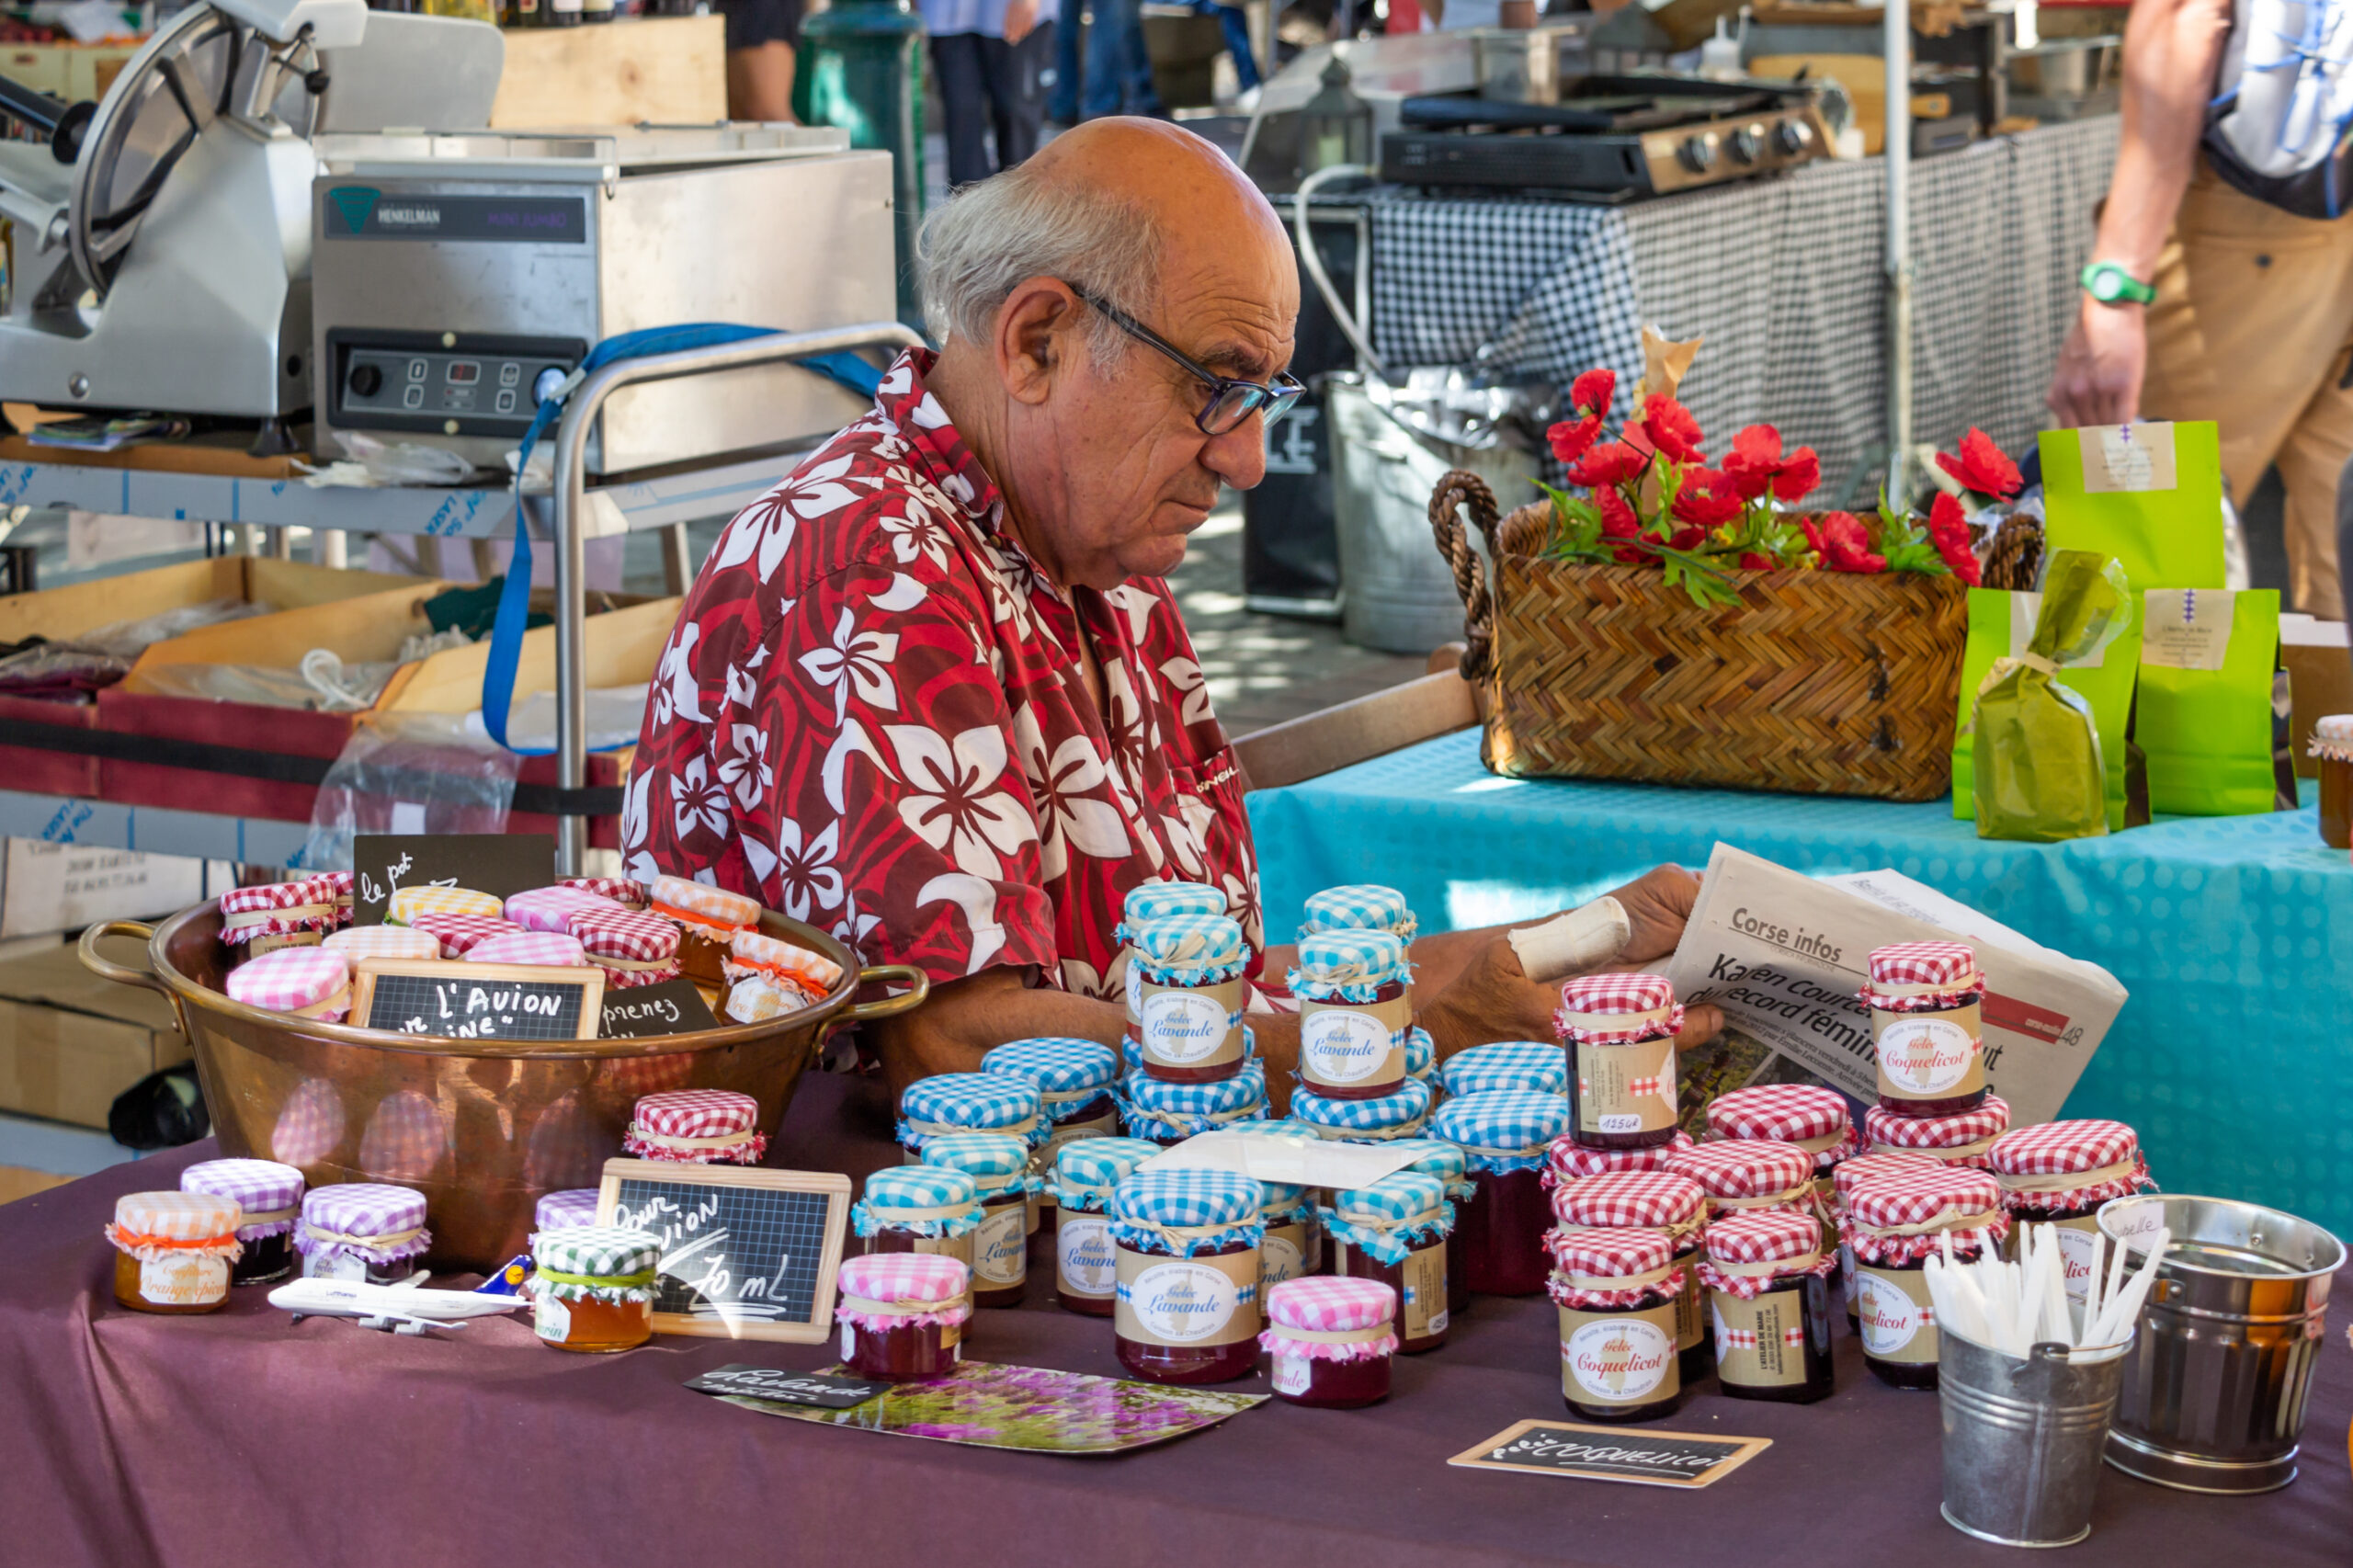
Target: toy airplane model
{"points": [[406, 1309]]}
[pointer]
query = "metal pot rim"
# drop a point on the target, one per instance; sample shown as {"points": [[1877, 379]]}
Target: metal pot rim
{"points": [[2173, 1262]]}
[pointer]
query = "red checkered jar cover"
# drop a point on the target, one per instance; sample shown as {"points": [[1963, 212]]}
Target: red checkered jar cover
{"points": [[1878, 1165], [631, 949], [1964, 1138], [1653, 1199], [1921, 977], [1597, 1268], [1742, 1173], [1618, 1009], [1331, 1319], [626, 892], [1900, 1218], [1569, 1160], [277, 909], [2068, 1165], [1748, 1255], [700, 1126], [1813, 1118], [460, 934]]}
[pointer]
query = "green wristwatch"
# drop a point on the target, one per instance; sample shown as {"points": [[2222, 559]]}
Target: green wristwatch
{"points": [[2112, 285]]}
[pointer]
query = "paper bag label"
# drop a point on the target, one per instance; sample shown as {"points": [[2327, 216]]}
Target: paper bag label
{"points": [[1929, 1055], [2127, 456], [1086, 1265], [1283, 1255], [1894, 1317], [1000, 1246], [1343, 1044], [1190, 1027], [1186, 1301], [2186, 629], [184, 1281], [1619, 1357], [1759, 1344], [1626, 1088]]}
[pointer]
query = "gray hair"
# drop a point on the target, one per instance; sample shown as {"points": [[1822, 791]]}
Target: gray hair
{"points": [[995, 232]]}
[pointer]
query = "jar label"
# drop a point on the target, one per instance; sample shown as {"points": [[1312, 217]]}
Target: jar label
{"points": [[1929, 1055], [551, 1320], [1131, 986], [1192, 1027], [2075, 1250], [1343, 1044], [1690, 1307], [341, 1265], [1625, 1357], [1894, 1316], [1421, 1279], [1001, 1245], [958, 1247], [1086, 1265], [1293, 1372], [1626, 1088], [1761, 1343], [1846, 1279], [184, 1281], [1283, 1255], [1186, 1301]]}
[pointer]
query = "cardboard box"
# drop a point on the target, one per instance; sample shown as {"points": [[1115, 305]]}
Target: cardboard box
{"points": [[70, 1041], [64, 887]]}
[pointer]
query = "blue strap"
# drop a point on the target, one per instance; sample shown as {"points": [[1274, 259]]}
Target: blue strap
{"points": [[514, 598]]}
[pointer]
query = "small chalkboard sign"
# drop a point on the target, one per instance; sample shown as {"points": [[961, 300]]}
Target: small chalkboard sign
{"points": [[780, 1385], [674, 1007], [746, 1253], [1682, 1460], [500, 864], [478, 1001]]}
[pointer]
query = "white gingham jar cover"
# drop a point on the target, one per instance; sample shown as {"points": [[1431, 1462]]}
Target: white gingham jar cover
{"points": [[1154, 901], [708, 912], [1066, 1071], [561, 1211], [1618, 1009], [624, 891], [1921, 976], [998, 1163], [1737, 1169], [1569, 1160], [358, 942], [552, 909], [1532, 1064], [1402, 1112], [1645, 1199], [1330, 1319], [971, 1102], [2068, 1165], [1964, 1137], [152, 1226], [886, 1290], [1363, 906], [928, 1201], [268, 1194], [460, 934], [372, 1221], [407, 903], [1189, 949], [312, 982], [1875, 1167], [757, 953], [698, 1126], [551, 950]]}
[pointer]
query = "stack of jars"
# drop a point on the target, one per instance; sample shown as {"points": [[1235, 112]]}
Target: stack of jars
{"points": [[1148, 902], [1394, 1231], [1506, 1136], [1185, 1249], [1356, 1011], [1805, 1116], [1850, 1175], [1893, 1223], [1658, 1200]]}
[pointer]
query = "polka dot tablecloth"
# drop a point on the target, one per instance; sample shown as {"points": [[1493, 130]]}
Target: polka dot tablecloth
{"points": [[2232, 935]]}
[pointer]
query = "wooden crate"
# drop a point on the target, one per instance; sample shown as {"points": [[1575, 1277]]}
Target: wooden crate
{"points": [[669, 70]]}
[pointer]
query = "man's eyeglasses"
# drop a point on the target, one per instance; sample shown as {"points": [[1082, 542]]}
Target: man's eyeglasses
{"points": [[1229, 401]]}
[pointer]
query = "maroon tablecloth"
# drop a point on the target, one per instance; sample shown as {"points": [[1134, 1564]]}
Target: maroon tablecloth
{"points": [[238, 1438]]}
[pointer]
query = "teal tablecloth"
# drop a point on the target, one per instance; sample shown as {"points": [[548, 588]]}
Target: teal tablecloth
{"points": [[2234, 935]]}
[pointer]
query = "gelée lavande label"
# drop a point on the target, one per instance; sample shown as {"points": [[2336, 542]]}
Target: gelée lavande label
{"points": [[1191, 1025], [1000, 1246], [1089, 1264], [1345, 1044], [1187, 1301]]}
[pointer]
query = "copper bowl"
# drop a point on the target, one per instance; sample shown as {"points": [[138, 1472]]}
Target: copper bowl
{"points": [[482, 1128]]}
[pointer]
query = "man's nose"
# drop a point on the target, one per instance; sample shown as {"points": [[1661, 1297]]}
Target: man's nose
{"points": [[1239, 457]]}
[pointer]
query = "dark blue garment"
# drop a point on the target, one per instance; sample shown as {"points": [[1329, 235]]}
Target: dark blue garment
{"points": [[1236, 27], [1118, 71]]}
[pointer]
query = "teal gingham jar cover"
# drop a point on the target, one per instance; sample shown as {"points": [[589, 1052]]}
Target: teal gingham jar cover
{"points": [[1285, 1203], [1154, 901], [971, 1102], [1348, 966], [1189, 950], [601, 1263], [1536, 1065], [1365, 906], [1066, 1071], [1503, 1130], [1188, 1110], [1436, 1158], [1421, 1052], [1184, 1213], [1088, 1169], [1398, 1115], [1393, 1217], [908, 1197], [998, 1163]]}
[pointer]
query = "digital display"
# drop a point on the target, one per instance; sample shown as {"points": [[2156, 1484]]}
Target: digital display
{"points": [[463, 371]]}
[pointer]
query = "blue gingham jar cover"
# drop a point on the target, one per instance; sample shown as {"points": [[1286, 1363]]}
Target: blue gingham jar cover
{"points": [[1189, 949], [1421, 1052], [1508, 1064], [1348, 966], [1154, 901], [971, 1102], [1285, 1203], [1065, 1071], [1087, 1169], [1187, 1211], [929, 1200], [1365, 906], [1400, 1211], [1399, 1115], [1436, 1158], [1188, 1109], [997, 1162], [1503, 1130]]}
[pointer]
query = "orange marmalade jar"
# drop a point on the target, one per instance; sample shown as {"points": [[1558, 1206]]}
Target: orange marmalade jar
{"points": [[594, 1289], [173, 1250]]}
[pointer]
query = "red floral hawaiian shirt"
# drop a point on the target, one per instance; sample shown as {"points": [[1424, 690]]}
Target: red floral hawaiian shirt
{"points": [[871, 717]]}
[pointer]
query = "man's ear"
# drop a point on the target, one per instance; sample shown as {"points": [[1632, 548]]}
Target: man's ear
{"points": [[1037, 331]]}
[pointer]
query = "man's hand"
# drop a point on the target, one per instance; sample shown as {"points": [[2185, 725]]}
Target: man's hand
{"points": [[2098, 378], [1020, 15], [1656, 906], [1494, 999]]}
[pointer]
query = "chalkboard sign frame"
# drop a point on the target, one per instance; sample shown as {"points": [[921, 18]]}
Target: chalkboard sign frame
{"points": [[588, 978], [831, 1184], [1684, 1460]]}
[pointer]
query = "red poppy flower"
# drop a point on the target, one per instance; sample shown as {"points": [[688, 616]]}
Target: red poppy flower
{"points": [[1846, 544], [1946, 521], [1671, 429], [1611, 463], [1707, 499], [1755, 457], [1572, 438], [1963, 562], [1752, 562], [1618, 522], [1592, 392], [1799, 472], [1687, 537], [1982, 466]]}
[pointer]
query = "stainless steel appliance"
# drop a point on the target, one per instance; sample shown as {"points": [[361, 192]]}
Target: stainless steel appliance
{"points": [[452, 274]]}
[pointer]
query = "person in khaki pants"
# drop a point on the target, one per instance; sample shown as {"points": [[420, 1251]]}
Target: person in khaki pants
{"points": [[2252, 321]]}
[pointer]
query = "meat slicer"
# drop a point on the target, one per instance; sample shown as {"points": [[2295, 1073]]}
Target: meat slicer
{"points": [[158, 242]]}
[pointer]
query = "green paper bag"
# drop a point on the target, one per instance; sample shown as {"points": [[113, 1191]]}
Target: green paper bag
{"points": [[2001, 624], [2151, 495], [2207, 660], [2038, 773]]}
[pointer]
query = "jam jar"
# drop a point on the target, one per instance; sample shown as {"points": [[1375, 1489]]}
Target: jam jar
{"points": [[1355, 1010], [1154, 901], [998, 1164], [258, 920], [1395, 1230], [362, 1230], [1505, 1136], [1421, 1054], [2332, 743], [1768, 1300], [1189, 994], [1926, 1033], [1850, 1175], [1187, 1247], [1536, 1065], [970, 1102], [174, 1250], [1436, 1158], [903, 1315], [1620, 1031], [1615, 1291], [1964, 1138], [1651, 1200], [1360, 906], [1287, 1251], [1084, 1177], [1805, 1115], [924, 1209], [2059, 1174], [1073, 1079], [1331, 1341], [269, 1200], [1893, 1223], [701, 1127], [594, 1288], [1168, 1113]]}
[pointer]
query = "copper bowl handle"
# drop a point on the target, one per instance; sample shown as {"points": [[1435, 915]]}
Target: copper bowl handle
{"points": [[918, 982], [123, 974]]}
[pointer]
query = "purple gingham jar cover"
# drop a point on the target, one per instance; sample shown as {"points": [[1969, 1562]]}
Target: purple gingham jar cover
{"points": [[271, 1194], [369, 1221]]}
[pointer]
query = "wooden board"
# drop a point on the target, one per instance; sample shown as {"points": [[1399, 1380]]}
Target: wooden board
{"points": [[670, 70], [467, 999], [721, 1225], [287, 585]]}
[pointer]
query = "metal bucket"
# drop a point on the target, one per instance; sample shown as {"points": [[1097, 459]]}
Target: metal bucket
{"points": [[2022, 1439], [2213, 1395], [482, 1128]]}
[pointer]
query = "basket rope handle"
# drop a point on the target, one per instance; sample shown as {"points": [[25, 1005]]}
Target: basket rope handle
{"points": [[1455, 488]]}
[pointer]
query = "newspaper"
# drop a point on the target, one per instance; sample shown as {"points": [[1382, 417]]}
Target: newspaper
{"points": [[1782, 954]]}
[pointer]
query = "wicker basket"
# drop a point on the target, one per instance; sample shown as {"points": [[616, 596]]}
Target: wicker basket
{"points": [[1819, 683]]}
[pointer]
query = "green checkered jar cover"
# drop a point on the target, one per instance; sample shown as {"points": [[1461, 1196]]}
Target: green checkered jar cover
{"points": [[597, 1263]]}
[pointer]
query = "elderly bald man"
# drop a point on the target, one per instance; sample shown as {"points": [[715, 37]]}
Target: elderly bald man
{"points": [[931, 693]]}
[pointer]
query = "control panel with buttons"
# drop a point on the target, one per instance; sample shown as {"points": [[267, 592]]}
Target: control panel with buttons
{"points": [[448, 383]]}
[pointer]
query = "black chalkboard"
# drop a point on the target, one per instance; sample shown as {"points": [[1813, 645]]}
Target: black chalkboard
{"points": [[1614, 1453], [500, 864], [780, 1385], [674, 1007], [477, 1001], [746, 1253]]}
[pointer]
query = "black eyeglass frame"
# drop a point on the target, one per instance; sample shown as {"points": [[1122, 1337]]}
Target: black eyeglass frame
{"points": [[1272, 398]]}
